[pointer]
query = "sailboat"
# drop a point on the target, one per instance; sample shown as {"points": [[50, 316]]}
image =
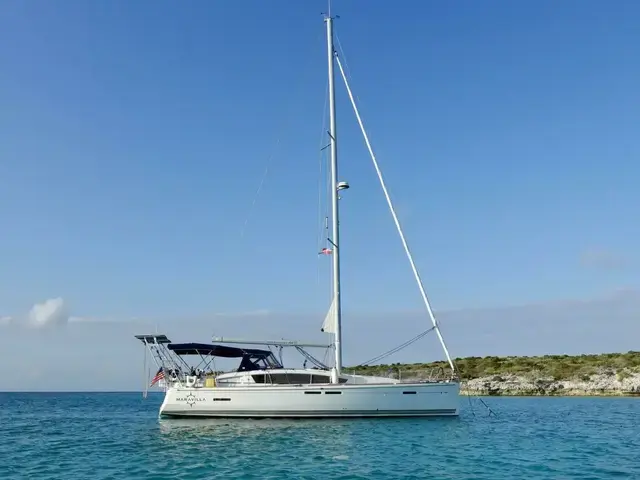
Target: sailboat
{"points": [[262, 386]]}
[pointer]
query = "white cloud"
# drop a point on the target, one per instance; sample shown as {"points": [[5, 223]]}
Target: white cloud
{"points": [[55, 312], [50, 312]]}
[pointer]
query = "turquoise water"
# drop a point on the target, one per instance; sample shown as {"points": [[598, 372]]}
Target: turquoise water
{"points": [[119, 436]]}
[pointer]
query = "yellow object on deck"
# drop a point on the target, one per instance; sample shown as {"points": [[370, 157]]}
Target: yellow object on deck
{"points": [[210, 382]]}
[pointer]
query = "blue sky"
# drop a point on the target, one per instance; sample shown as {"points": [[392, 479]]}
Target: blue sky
{"points": [[133, 138]]}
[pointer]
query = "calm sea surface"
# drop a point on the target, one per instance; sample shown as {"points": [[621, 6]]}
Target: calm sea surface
{"points": [[118, 435]]}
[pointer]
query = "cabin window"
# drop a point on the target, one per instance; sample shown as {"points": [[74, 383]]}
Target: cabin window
{"points": [[292, 378], [260, 378]]}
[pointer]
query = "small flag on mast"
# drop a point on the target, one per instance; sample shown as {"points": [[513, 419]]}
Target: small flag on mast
{"points": [[325, 251], [159, 376]]}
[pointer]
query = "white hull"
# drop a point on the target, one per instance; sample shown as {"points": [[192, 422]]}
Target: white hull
{"points": [[314, 401]]}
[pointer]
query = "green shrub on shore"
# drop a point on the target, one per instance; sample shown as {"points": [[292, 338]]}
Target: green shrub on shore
{"points": [[558, 367]]}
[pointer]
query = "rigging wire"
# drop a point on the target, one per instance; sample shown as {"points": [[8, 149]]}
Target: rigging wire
{"points": [[283, 127], [347, 73], [311, 358], [262, 180], [395, 219], [321, 162], [398, 348], [343, 55]]}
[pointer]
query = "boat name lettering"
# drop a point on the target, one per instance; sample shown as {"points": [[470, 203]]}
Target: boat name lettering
{"points": [[191, 399]]}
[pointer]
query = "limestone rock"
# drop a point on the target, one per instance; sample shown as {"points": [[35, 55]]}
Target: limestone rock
{"points": [[604, 383]]}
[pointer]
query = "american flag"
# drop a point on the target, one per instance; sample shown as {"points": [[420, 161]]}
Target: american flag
{"points": [[325, 251], [159, 376]]}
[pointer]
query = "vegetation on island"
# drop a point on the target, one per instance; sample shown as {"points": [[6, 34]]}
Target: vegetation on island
{"points": [[557, 367]]}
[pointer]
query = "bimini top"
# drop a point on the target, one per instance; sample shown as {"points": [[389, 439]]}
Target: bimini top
{"points": [[217, 350]]}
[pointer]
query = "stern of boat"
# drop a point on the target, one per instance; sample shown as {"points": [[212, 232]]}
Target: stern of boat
{"points": [[168, 394]]}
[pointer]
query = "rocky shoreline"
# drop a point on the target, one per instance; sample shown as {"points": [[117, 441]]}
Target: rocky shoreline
{"points": [[622, 383]]}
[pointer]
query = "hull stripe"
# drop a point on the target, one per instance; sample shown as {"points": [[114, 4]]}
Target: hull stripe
{"points": [[309, 414]]}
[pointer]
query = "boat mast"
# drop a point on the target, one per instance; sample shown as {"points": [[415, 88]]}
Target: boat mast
{"points": [[335, 240]]}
